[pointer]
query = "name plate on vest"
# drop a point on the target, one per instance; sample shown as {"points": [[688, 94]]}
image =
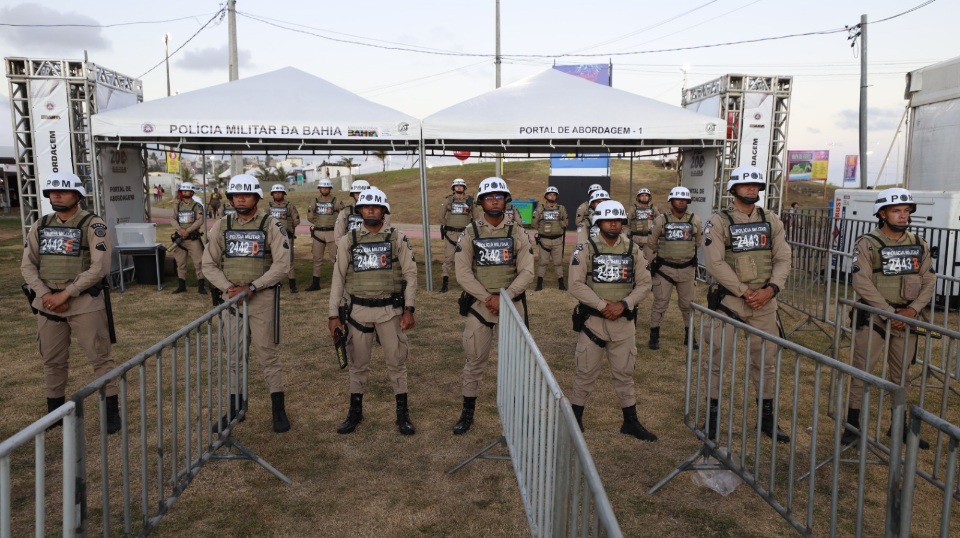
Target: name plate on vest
{"points": [[678, 231], [186, 217], [613, 268], [60, 241], [324, 208], [372, 256], [354, 222], [459, 208], [279, 213], [644, 213], [551, 214], [493, 251], [244, 243], [901, 260], [750, 237]]}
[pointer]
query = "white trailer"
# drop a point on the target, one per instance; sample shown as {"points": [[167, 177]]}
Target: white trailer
{"points": [[934, 135]]}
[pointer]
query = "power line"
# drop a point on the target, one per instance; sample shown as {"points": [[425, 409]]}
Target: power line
{"points": [[114, 25], [914, 8], [220, 14], [651, 27]]}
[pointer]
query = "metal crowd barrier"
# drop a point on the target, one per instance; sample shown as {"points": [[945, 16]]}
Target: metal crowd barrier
{"points": [[561, 490], [170, 396], [814, 287], [67, 451], [949, 486], [816, 497]]}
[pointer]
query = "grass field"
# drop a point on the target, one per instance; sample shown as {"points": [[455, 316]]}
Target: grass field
{"points": [[375, 482]]}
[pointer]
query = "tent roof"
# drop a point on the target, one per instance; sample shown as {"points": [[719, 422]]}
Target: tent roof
{"points": [[554, 112], [286, 109]]}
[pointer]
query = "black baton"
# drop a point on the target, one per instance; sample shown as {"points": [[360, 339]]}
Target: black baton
{"points": [[276, 314], [109, 308]]}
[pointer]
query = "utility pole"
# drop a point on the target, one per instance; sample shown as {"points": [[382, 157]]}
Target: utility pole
{"points": [[166, 55], [498, 164], [236, 161], [863, 101]]}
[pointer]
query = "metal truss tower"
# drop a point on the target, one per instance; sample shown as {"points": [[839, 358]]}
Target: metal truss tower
{"points": [[81, 79], [731, 91]]}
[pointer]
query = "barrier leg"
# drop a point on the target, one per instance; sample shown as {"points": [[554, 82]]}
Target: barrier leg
{"points": [[482, 455]]}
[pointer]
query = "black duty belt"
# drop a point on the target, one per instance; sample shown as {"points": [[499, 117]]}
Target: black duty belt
{"points": [[641, 234], [682, 265], [590, 311], [551, 236], [323, 228], [373, 303], [452, 229]]}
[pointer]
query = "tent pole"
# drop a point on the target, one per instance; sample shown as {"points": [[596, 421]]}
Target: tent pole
{"points": [[427, 256], [631, 172]]}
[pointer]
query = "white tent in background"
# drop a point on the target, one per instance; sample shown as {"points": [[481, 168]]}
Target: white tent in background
{"points": [[553, 112]]}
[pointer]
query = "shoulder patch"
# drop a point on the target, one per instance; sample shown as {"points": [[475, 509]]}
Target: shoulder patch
{"points": [[278, 224], [286, 245], [99, 226], [101, 246], [707, 241], [100, 232]]}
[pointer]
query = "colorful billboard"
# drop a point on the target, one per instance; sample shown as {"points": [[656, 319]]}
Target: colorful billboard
{"points": [[599, 73], [850, 168], [807, 165]]}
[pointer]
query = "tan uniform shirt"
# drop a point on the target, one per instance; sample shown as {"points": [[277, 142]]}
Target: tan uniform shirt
{"points": [[340, 227], [583, 213], [716, 235], [464, 262], [405, 257], [294, 214], [445, 206], [581, 265], [538, 214], [632, 213], [197, 217], [100, 252], [279, 250], [864, 251], [652, 247], [312, 215]]}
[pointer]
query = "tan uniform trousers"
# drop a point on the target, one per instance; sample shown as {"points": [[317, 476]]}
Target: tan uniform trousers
{"points": [[621, 354], [262, 348], [663, 289], [551, 253], [449, 249], [321, 242], [764, 319], [640, 240], [385, 320], [291, 274], [195, 249], [902, 349], [92, 334], [477, 341]]}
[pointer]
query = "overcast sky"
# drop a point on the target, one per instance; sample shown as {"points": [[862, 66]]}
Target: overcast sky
{"points": [[359, 46]]}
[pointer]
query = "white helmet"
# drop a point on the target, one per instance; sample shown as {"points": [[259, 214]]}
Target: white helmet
{"points": [[278, 187], [599, 195], [359, 186], [63, 181], [374, 196], [458, 183], [746, 175], [894, 196], [244, 184], [551, 189], [594, 187], [608, 210], [644, 191], [186, 186], [324, 184], [493, 184], [680, 193]]}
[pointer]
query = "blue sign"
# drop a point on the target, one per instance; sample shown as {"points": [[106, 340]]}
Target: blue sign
{"points": [[580, 160]]}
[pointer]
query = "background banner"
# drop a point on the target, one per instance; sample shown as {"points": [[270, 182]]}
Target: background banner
{"points": [[850, 168], [807, 165], [756, 130], [173, 163], [585, 164], [51, 131]]}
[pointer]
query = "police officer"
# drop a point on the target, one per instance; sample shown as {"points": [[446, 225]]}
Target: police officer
{"points": [[349, 218], [641, 218], [216, 202], [491, 254], [746, 252], [189, 223], [550, 220], [376, 268], [322, 215], [287, 213], [672, 249], [608, 277], [454, 217], [892, 271], [65, 259], [248, 251], [587, 230], [583, 210]]}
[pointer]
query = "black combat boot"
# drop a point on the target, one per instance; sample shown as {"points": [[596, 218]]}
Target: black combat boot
{"points": [[114, 424], [403, 416], [561, 285], [713, 415], [686, 337], [632, 426], [53, 404], [769, 426], [314, 285], [293, 285], [231, 413], [355, 416], [654, 342], [539, 284], [280, 422], [181, 286], [578, 412], [202, 287], [924, 445], [466, 416], [444, 288]]}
